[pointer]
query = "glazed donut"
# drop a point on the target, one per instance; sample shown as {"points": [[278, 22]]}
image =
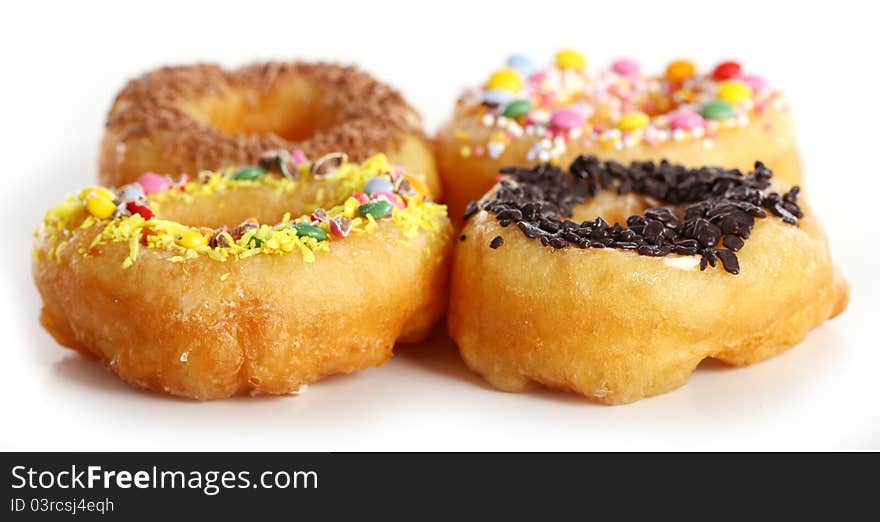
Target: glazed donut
{"points": [[543, 293], [214, 310], [191, 118], [525, 115]]}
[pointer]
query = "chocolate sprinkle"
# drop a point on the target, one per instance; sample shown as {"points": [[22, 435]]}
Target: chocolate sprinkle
{"points": [[712, 213]]}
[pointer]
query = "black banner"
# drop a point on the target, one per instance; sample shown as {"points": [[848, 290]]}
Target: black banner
{"points": [[100, 486]]}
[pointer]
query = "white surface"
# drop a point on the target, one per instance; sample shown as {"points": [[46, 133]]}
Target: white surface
{"points": [[62, 64]]}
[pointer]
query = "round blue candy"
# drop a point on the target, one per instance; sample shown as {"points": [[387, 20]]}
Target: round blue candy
{"points": [[131, 192], [522, 64], [378, 184], [497, 97]]}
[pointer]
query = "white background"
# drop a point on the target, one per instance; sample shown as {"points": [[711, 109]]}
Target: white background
{"points": [[62, 64]]}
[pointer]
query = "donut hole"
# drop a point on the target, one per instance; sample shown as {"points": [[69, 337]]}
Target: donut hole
{"points": [[612, 207], [291, 110], [229, 208], [652, 104], [656, 104]]}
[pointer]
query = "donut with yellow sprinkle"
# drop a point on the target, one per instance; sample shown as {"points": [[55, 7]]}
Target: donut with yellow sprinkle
{"points": [[524, 114], [210, 287]]}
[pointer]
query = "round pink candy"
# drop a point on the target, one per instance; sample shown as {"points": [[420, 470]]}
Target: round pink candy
{"points": [[566, 119], [625, 66], [686, 121], [153, 183], [754, 81]]}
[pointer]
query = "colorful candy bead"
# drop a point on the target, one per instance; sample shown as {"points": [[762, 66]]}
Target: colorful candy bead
{"points": [[517, 108], [377, 208], [192, 239], [726, 70], [633, 121], [686, 121], [680, 70], [718, 110], [757, 83], [570, 59], [391, 197], [329, 164], [521, 63], [136, 207], [299, 157], [131, 192], [734, 92], [100, 206], [279, 161], [249, 173], [307, 230], [417, 182], [378, 184], [566, 119], [340, 227], [506, 80], [153, 183], [497, 97], [625, 67]]}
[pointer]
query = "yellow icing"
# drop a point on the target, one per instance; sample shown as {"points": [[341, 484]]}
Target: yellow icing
{"points": [[61, 222]]}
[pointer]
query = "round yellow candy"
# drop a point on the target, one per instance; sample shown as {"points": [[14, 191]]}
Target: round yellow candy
{"points": [[633, 121], [100, 206], [680, 70], [505, 80], [192, 239], [734, 92], [570, 59], [96, 191]]}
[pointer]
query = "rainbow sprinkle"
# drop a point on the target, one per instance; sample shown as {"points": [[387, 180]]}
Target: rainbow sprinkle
{"points": [[360, 195], [612, 109]]}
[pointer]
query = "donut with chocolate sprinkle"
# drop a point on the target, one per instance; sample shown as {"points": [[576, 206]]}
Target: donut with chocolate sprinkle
{"points": [[595, 279]]}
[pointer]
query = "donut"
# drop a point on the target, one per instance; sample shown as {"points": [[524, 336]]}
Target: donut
{"points": [[525, 115], [187, 119], [709, 263], [208, 288]]}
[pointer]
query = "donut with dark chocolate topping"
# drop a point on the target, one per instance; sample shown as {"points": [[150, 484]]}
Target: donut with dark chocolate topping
{"points": [[596, 279]]}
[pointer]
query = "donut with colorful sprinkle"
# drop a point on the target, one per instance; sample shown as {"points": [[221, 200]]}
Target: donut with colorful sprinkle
{"points": [[212, 287], [186, 119], [681, 264], [526, 114]]}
